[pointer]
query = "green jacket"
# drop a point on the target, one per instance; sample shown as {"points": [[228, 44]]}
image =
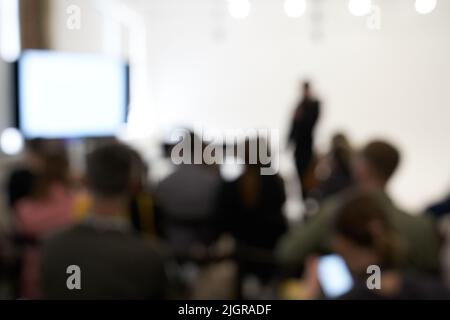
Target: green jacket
{"points": [[417, 233]]}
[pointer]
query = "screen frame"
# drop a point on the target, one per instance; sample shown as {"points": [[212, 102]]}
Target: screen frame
{"points": [[16, 113]]}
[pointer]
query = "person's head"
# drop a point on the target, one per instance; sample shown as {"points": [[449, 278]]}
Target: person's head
{"points": [[112, 171], [33, 151], [306, 89], [375, 164], [36, 150], [341, 152], [49, 162], [363, 235], [339, 140]]}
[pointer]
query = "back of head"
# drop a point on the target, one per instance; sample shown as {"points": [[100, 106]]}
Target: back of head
{"points": [[35, 146], [341, 152], [306, 85], [56, 167], [306, 88], [51, 166], [382, 157], [363, 222], [339, 140], [110, 170]]}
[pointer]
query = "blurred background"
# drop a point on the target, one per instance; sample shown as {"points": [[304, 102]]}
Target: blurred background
{"points": [[196, 64], [380, 68]]}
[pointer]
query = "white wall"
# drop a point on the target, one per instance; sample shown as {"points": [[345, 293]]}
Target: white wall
{"points": [[392, 83]]}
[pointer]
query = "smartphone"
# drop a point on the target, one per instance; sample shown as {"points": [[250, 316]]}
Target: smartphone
{"points": [[334, 276]]}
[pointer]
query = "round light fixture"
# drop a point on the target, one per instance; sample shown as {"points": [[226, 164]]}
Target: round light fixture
{"points": [[294, 8], [239, 9], [359, 7], [425, 6], [11, 141]]}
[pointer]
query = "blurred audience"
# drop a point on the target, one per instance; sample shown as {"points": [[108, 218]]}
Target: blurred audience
{"points": [[373, 167], [115, 263], [364, 236], [230, 239], [42, 201]]}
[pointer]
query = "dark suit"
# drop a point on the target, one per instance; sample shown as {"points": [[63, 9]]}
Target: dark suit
{"points": [[114, 263], [301, 134]]}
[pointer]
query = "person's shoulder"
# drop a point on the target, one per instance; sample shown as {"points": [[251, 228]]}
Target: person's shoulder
{"points": [[56, 242], [149, 252], [172, 182], [410, 219], [333, 202], [64, 232]]}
